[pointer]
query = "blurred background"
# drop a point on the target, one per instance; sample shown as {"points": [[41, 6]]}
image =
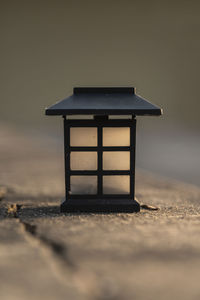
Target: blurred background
{"points": [[48, 47]]}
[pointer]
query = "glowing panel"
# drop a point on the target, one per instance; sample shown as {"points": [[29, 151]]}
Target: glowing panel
{"points": [[116, 160], [116, 184], [83, 160], [83, 185], [116, 136], [83, 136]]}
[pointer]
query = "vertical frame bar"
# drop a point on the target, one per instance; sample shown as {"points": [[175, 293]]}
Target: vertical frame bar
{"points": [[100, 154], [67, 157], [132, 158]]}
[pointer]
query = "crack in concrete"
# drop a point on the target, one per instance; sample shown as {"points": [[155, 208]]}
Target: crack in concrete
{"points": [[64, 268], [57, 248]]}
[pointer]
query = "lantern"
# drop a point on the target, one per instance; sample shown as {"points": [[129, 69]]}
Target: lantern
{"points": [[99, 148]]}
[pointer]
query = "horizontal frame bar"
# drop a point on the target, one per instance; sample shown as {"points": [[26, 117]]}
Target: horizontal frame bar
{"points": [[99, 172], [96, 123], [98, 196], [103, 148]]}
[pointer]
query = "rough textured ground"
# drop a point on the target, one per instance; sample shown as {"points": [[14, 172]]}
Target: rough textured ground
{"points": [[48, 255]]}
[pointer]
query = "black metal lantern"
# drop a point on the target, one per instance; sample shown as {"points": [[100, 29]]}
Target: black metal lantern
{"points": [[99, 147]]}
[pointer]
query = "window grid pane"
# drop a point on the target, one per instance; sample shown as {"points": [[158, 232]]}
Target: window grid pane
{"points": [[112, 181], [83, 136], [83, 185], [83, 160], [116, 184], [116, 136], [116, 160]]}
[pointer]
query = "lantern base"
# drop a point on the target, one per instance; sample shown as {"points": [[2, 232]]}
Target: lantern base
{"points": [[100, 205]]}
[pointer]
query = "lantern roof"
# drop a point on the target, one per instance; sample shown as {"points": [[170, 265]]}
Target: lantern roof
{"points": [[103, 101]]}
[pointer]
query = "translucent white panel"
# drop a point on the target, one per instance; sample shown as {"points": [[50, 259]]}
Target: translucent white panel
{"points": [[83, 136], [81, 185], [118, 184], [119, 160], [80, 117], [111, 117], [116, 136], [83, 160]]}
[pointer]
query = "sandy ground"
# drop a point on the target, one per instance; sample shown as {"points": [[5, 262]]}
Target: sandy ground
{"points": [[48, 255]]}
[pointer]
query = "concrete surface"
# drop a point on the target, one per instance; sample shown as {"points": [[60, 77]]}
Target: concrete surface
{"points": [[48, 255]]}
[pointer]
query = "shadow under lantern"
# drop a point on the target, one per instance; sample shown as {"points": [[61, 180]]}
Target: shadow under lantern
{"points": [[99, 148]]}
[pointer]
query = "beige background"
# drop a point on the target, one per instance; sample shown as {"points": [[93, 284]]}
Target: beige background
{"points": [[48, 47]]}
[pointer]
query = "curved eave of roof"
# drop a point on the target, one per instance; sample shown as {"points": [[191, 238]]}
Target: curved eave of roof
{"points": [[137, 112], [104, 101]]}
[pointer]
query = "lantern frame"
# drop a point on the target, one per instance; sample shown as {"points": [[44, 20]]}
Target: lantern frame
{"points": [[100, 201], [101, 102]]}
